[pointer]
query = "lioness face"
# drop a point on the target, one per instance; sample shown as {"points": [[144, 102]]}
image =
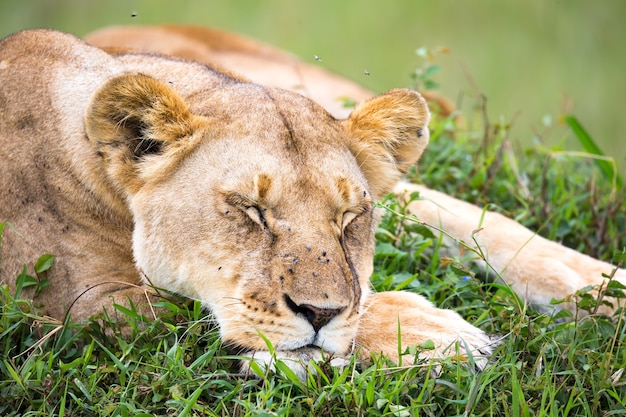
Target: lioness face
{"points": [[279, 211], [274, 221]]}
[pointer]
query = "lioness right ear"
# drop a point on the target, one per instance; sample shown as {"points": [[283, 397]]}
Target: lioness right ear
{"points": [[133, 117], [388, 134]]}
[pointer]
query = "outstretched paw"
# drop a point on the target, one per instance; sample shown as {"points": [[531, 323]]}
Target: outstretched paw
{"points": [[419, 322]]}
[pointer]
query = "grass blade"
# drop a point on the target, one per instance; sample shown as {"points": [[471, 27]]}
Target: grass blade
{"points": [[590, 146]]}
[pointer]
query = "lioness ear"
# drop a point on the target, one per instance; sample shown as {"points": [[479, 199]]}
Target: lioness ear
{"points": [[387, 135], [132, 117]]}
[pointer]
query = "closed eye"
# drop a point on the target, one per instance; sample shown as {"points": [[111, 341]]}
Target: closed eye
{"points": [[256, 214], [252, 209], [347, 218], [354, 213]]}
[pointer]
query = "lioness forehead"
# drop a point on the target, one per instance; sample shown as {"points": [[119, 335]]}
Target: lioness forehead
{"points": [[280, 135], [271, 114], [281, 160], [255, 131]]}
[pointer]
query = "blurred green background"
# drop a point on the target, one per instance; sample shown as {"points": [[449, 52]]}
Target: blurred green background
{"points": [[534, 60]]}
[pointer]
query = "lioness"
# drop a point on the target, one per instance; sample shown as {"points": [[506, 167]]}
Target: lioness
{"points": [[540, 270], [143, 171]]}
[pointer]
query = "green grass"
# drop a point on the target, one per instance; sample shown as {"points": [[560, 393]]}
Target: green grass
{"points": [[544, 367]]}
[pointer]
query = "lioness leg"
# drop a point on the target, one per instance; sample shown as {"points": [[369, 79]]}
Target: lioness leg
{"points": [[538, 269], [417, 321]]}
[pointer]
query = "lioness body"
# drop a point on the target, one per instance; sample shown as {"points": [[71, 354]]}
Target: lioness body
{"points": [[52, 192]]}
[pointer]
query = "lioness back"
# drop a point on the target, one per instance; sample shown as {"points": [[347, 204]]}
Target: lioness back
{"points": [[260, 62]]}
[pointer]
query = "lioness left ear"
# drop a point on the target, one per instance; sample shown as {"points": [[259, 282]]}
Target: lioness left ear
{"points": [[132, 117], [387, 135]]}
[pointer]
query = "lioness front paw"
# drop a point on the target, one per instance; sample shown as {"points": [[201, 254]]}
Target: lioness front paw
{"points": [[419, 322]]}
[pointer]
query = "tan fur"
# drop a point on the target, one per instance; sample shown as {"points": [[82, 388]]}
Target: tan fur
{"points": [[539, 270]]}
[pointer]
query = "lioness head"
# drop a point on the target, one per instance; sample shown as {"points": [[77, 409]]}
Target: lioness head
{"points": [[255, 200]]}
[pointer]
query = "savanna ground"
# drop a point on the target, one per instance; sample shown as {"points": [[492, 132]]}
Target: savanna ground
{"points": [[545, 366]]}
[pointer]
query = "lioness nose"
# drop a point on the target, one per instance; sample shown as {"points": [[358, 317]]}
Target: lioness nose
{"points": [[318, 317]]}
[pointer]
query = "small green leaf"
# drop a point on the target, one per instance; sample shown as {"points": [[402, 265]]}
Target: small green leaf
{"points": [[122, 369], [427, 345], [176, 392], [24, 281], [387, 249], [460, 270], [616, 285], [14, 374], [197, 310], [74, 364], [370, 391], [381, 402], [288, 372], [83, 389], [191, 402], [256, 369], [44, 263], [2, 224], [268, 343], [414, 196], [127, 311], [431, 70], [168, 305], [41, 285], [430, 85], [419, 229]]}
